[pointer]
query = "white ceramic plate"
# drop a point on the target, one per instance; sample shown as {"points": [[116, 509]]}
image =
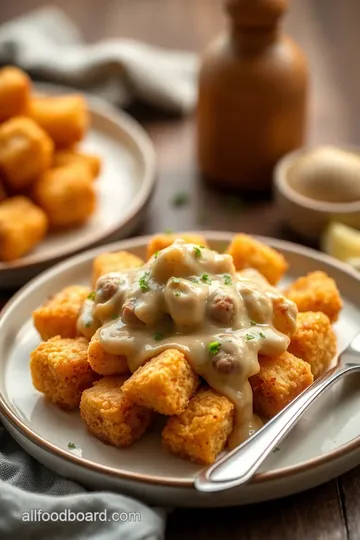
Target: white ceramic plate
{"points": [[324, 444], [123, 190]]}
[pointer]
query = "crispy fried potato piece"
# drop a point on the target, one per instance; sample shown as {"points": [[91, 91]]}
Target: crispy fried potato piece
{"points": [[113, 262], [22, 226], [316, 292], [164, 384], [247, 252], [65, 118], [162, 241], [280, 380], [314, 341], [60, 370], [58, 316], [68, 157], [66, 194], [110, 416], [103, 362], [201, 432], [26, 151], [15, 88]]}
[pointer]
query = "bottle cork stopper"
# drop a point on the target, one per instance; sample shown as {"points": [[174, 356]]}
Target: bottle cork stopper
{"points": [[256, 13]]}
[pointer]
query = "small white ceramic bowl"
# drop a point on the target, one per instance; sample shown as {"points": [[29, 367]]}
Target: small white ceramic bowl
{"points": [[308, 217]]}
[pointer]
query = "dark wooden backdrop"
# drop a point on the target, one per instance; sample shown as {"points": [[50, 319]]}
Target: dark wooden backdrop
{"points": [[329, 32]]}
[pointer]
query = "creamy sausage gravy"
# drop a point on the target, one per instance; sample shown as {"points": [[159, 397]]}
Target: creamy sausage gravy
{"points": [[191, 298]]}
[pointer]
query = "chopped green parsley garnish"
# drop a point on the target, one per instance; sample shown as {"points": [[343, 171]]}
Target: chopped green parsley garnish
{"points": [[206, 278], [195, 279], [214, 347], [180, 199], [249, 337], [197, 251], [227, 279], [156, 254], [115, 316], [262, 335], [91, 296], [158, 336], [87, 324], [176, 280], [177, 292], [144, 282], [253, 323], [71, 445]]}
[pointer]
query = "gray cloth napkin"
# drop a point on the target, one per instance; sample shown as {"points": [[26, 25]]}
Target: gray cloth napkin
{"points": [[26, 485], [46, 44]]}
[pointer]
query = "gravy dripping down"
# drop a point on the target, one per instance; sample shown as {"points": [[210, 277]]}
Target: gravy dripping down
{"points": [[191, 298]]}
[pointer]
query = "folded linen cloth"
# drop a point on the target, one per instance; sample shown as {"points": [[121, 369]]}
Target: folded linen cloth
{"points": [[27, 487], [46, 44]]}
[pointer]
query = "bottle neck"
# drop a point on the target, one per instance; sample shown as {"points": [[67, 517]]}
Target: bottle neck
{"points": [[253, 40]]}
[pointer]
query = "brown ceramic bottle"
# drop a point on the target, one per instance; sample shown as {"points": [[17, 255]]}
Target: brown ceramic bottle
{"points": [[252, 97]]}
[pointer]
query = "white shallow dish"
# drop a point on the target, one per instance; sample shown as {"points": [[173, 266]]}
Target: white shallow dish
{"points": [[324, 444], [123, 190]]}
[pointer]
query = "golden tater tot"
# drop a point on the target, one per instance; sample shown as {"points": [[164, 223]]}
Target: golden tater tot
{"points": [[110, 416], [22, 226], [201, 432], [58, 316], [314, 341], [113, 262], [103, 362], [162, 241], [60, 370], [67, 157], [14, 92], [164, 384], [316, 292], [280, 380], [65, 118], [66, 194], [247, 252], [26, 151]]}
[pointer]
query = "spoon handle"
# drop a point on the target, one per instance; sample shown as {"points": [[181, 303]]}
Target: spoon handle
{"points": [[239, 465]]}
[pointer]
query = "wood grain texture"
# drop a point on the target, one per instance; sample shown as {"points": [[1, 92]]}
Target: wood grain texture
{"points": [[328, 31], [315, 514]]}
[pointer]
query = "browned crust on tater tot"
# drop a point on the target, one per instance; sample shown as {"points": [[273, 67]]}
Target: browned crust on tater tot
{"points": [[60, 370], [316, 292], [22, 226], [110, 415], [314, 341], [280, 380], [247, 252], [201, 432], [164, 384], [22, 163], [58, 316]]}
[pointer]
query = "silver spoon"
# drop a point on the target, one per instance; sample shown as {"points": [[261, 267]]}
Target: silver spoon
{"points": [[238, 466]]}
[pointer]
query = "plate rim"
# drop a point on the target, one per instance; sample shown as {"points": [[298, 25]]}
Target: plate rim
{"points": [[260, 478], [142, 140]]}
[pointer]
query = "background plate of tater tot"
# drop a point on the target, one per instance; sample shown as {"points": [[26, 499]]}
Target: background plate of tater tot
{"points": [[74, 172], [84, 410]]}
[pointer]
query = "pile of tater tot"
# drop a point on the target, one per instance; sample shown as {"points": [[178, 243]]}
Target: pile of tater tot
{"points": [[45, 181], [118, 406]]}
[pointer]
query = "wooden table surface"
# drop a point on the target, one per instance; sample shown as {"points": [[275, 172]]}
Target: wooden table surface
{"points": [[329, 32]]}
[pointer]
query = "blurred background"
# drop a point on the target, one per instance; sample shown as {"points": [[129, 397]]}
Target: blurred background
{"points": [[327, 32]]}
